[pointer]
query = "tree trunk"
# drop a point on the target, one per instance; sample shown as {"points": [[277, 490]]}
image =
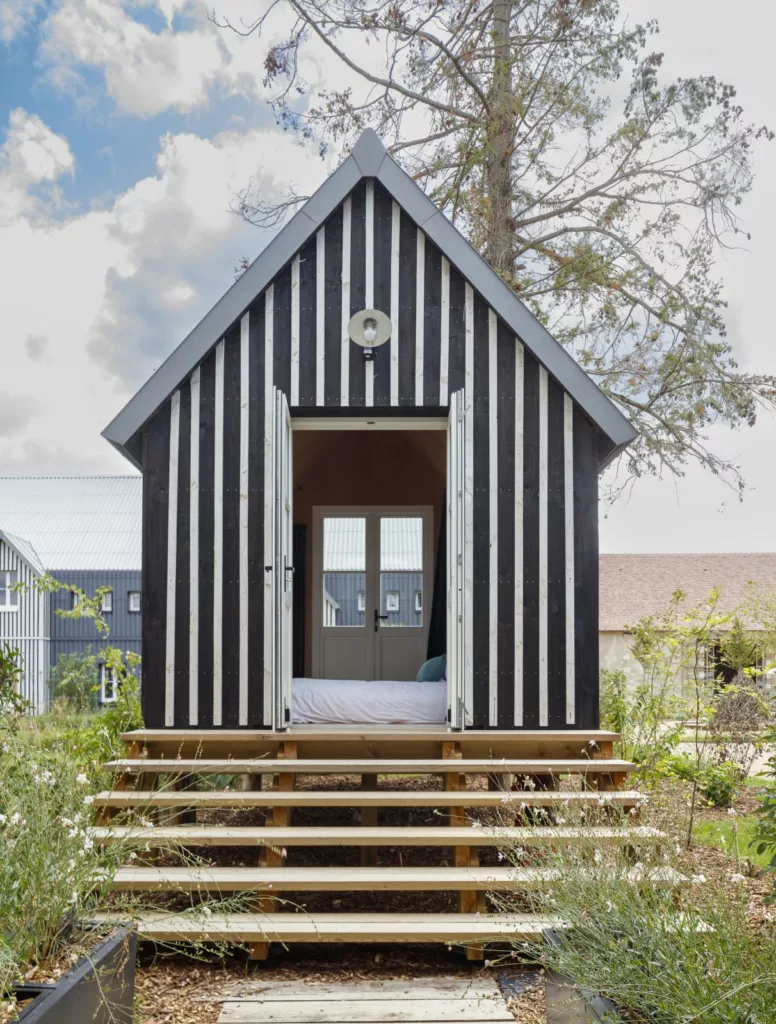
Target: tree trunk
{"points": [[500, 226]]}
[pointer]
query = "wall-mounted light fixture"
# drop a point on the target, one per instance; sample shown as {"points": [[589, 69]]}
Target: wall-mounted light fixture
{"points": [[369, 328]]}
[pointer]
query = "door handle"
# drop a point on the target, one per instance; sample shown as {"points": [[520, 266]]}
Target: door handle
{"points": [[378, 616]]}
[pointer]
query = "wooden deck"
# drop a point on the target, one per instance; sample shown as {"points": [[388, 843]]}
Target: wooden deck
{"points": [[169, 777]]}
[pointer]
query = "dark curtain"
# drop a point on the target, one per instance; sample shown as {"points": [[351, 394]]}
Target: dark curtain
{"points": [[300, 555], [437, 629]]}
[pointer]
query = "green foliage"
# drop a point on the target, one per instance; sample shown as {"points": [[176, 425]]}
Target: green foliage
{"points": [[74, 681], [661, 966], [765, 836], [646, 717], [12, 703], [52, 874]]}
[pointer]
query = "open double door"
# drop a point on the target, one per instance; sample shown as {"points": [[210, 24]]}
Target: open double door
{"points": [[279, 570]]}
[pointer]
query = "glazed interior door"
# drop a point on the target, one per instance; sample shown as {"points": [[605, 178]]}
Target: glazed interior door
{"points": [[373, 574], [283, 574], [402, 562], [456, 632]]}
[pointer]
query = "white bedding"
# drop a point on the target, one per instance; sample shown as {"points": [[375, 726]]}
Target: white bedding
{"points": [[383, 702]]}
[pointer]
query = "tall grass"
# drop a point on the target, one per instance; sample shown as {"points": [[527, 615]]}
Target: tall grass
{"points": [[52, 874], [662, 957]]}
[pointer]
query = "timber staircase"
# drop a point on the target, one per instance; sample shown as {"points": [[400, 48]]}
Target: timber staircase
{"points": [[524, 806]]}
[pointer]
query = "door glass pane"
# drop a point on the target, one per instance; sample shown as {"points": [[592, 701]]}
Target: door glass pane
{"points": [[344, 571], [401, 571]]}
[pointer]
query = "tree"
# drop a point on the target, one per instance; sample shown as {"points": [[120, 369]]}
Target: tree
{"points": [[600, 193]]}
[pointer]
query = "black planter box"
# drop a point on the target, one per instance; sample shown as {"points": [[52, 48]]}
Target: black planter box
{"points": [[100, 989], [568, 1003]]}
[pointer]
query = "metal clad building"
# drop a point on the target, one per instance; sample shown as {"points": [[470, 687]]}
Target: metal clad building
{"points": [[83, 531]]}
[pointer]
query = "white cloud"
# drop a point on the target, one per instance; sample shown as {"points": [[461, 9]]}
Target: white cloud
{"points": [[15, 16], [145, 72], [93, 303], [32, 155]]}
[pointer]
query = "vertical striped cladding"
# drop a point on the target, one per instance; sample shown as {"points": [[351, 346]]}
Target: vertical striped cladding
{"points": [[27, 629], [531, 551]]}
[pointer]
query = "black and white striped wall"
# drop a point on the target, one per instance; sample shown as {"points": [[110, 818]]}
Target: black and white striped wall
{"points": [[533, 560]]}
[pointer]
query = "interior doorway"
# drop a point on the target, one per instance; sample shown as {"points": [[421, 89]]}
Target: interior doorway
{"points": [[369, 504]]}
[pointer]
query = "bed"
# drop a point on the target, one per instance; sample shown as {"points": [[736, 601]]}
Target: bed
{"points": [[379, 702]]}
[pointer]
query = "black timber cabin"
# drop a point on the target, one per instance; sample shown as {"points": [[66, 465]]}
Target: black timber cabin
{"points": [[368, 451]]}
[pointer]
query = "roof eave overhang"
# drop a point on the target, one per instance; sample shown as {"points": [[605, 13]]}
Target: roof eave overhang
{"points": [[369, 159]]}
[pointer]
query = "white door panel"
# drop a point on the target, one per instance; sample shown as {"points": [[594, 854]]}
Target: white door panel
{"points": [[283, 571], [458, 713]]}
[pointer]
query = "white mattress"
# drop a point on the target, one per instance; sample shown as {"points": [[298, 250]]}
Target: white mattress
{"points": [[383, 702]]}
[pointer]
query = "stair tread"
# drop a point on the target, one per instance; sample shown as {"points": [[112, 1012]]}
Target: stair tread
{"points": [[344, 927], [336, 734], [361, 798], [354, 878], [381, 766], [442, 835]]}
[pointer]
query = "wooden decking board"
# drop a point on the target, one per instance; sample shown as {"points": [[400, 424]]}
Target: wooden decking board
{"points": [[367, 1011], [221, 835], [512, 800], [383, 766], [300, 927], [335, 734], [347, 879], [440, 987]]}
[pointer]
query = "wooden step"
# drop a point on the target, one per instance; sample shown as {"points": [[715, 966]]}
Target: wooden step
{"points": [[350, 879], [345, 766], [364, 741], [126, 798], [222, 835], [301, 927]]}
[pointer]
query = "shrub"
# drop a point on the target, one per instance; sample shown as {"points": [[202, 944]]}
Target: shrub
{"points": [[52, 874], [647, 717], [74, 681], [765, 835], [629, 942]]}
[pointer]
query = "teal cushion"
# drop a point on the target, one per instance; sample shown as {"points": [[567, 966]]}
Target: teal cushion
{"points": [[433, 670]]}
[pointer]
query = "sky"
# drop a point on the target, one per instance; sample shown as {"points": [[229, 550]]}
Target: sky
{"points": [[126, 127]]}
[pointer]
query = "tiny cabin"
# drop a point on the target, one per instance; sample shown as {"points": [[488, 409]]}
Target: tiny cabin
{"points": [[370, 453]]}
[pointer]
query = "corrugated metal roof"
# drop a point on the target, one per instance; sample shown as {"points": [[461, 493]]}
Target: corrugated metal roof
{"points": [[76, 522], [24, 549], [344, 544]]}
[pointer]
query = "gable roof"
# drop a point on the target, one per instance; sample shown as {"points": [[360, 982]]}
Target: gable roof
{"points": [[74, 522], [632, 586], [24, 550], [369, 159]]}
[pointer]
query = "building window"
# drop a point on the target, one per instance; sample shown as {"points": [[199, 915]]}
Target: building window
{"points": [[361, 601], [75, 599], [107, 685], [107, 602], [9, 598], [418, 600], [134, 600], [392, 600]]}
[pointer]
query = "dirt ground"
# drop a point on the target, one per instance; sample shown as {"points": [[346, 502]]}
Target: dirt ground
{"points": [[176, 990]]}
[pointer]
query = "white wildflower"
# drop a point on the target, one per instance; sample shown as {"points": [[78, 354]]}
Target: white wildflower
{"points": [[88, 799], [476, 824], [597, 856], [81, 779], [74, 898], [88, 844], [500, 855], [3, 819], [737, 878], [732, 811], [609, 906], [698, 879], [16, 819], [207, 911], [133, 856]]}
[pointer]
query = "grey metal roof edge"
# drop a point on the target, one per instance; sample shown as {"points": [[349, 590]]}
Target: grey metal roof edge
{"points": [[231, 306], [507, 305], [370, 159], [11, 541]]}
